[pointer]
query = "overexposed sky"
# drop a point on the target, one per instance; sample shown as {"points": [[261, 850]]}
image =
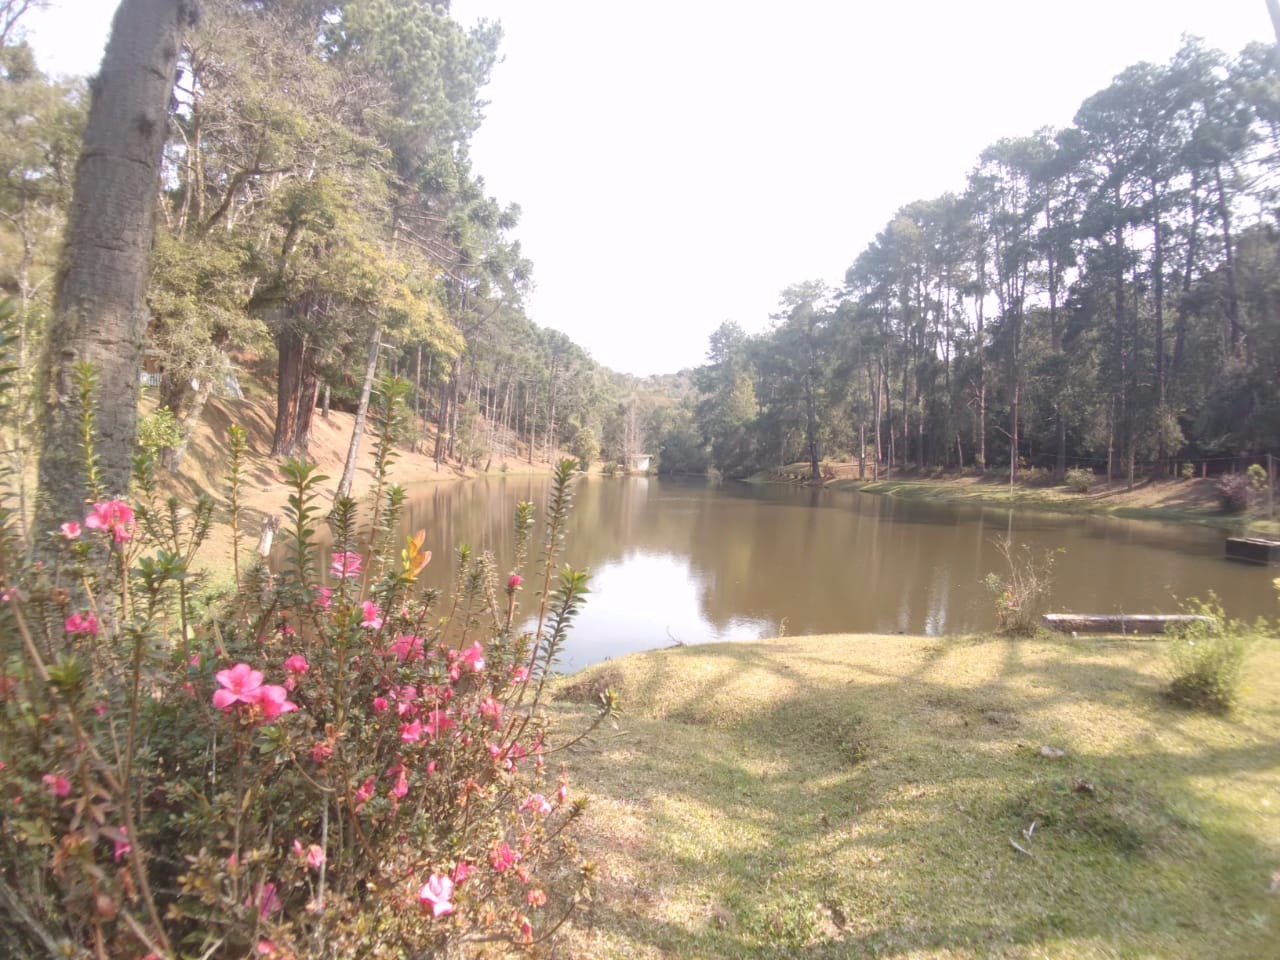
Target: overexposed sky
{"points": [[679, 164]]}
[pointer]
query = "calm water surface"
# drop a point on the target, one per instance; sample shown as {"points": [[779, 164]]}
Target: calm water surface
{"points": [[686, 561]]}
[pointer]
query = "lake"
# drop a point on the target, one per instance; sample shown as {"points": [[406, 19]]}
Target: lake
{"points": [[690, 562]]}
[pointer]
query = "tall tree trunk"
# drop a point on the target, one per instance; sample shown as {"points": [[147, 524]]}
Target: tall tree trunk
{"points": [[1180, 322], [362, 413], [442, 422], [980, 441], [99, 314], [1157, 269], [290, 347], [1228, 260], [308, 395]]}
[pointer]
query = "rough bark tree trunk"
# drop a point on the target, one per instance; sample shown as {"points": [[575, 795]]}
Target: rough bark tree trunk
{"points": [[99, 315], [289, 348], [308, 394]]}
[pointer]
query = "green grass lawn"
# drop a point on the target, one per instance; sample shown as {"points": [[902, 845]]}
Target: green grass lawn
{"points": [[850, 796]]}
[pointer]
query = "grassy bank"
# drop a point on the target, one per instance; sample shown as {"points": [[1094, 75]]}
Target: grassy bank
{"points": [[860, 796], [1179, 501]]}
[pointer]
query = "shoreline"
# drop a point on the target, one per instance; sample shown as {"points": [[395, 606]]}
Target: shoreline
{"points": [[1191, 501]]}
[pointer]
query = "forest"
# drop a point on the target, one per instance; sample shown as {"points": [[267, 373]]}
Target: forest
{"points": [[1098, 296], [1101, 296]]}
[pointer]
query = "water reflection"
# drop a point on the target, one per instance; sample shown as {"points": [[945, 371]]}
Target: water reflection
{"points": [[684, 561]]}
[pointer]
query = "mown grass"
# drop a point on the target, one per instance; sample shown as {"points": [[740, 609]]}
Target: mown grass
{"points": [[857, 796]]}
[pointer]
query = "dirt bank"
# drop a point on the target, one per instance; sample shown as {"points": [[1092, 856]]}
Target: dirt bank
{"points": [[204, 468]]}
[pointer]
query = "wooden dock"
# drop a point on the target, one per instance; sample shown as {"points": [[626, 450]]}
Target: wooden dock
{"points": [[1122, 623], [1257, 550]]}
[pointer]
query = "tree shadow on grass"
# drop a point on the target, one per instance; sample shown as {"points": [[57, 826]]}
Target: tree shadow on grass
{"points": [[871, 812]]}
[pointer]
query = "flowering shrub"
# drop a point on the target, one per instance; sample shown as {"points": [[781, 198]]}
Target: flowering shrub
{"points": [[330, 762]]}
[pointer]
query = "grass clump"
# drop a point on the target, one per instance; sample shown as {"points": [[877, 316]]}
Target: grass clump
{"points": [[1207, 657]]}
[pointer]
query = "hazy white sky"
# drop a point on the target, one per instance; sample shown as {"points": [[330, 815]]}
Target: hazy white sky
{"points": [[679, 164]]}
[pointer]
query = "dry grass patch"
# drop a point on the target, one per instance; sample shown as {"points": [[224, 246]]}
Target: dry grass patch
{"points": [[861, 796]]}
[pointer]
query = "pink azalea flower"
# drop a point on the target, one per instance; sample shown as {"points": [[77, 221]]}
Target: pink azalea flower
{"points": [[380, 705], [372, 615], [519, 675], [70, 530], [240, 684], [313, 855], [58, 785], [537, 803], [121, 847], [364, 792], [346, 565], [297, 664], [502, 858], [320, 752], [267, 901], [274, 701], [324, 598], [411, 732], [81, 623], [536, 897], [114, 515], [491, 710], [401, 786], [406, 647], [437, 893], [438, 722], [473, 657], [460, 872]]}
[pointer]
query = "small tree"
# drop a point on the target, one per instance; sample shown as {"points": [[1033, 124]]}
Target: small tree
{"points": [[585, 448]]}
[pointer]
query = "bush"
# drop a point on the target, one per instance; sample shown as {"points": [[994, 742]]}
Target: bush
{"points": [[1078, 480], [159, 431], [1233, 493], [327, 763], [1206, 657], [1019, 592], [610, 469], [1188, 471]]}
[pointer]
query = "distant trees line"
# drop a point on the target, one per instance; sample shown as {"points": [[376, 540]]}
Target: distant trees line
{"points": [[1107, 293]]}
